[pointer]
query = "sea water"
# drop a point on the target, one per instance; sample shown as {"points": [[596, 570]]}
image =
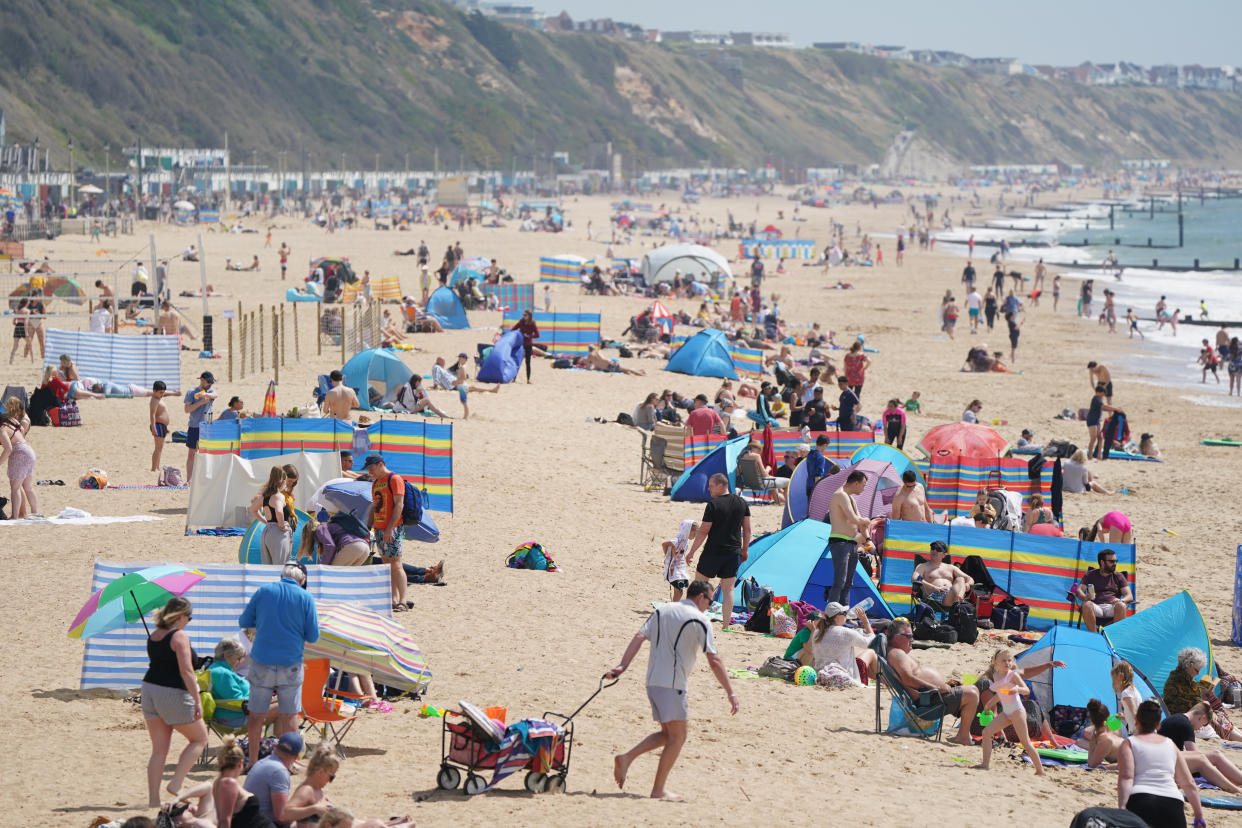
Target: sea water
{"points": [[1212, 233]]}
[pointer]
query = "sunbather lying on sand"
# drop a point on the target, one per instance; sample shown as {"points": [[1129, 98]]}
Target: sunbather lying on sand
{"points": [[593, 361]]}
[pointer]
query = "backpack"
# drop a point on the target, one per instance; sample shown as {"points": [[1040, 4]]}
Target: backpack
{"points": [[753, 594], [759, 621], [412, 506], [929, 629], [962, 620], [171, 476], [1066, 720], [780, 668]]}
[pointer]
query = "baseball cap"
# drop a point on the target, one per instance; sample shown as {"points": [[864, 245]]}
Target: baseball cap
{"points": [[372, 459], [464, 355], [292, 744], [207, 375], [834, 609]]}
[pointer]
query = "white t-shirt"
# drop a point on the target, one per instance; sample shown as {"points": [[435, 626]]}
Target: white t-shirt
{"points": [[1133, 694], [973, 300], [101, 320], [443, 378], [809, 393], [838, 645], [677, 633]]}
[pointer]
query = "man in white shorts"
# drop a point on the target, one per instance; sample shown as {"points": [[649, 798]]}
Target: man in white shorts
{"points": [[677, 633]]}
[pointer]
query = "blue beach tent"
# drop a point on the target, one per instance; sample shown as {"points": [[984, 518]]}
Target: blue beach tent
{"points": [[446, 307], [795, 562], [1150, 640], [1088, 657], [377, 367], [691, 487], [706, 354], [502, 361]]}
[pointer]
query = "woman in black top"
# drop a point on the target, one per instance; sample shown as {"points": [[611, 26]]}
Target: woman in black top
{"points": [[530, 332], [170, 698]]}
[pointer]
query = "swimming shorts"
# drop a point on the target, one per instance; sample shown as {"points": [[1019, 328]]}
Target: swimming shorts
{"points": [[461, 394], [974, 312], [191, 438], [939, 595], [161, 430]]}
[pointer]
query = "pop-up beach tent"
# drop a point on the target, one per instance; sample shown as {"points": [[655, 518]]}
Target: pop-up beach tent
{"points": [[876, 498], [502, 361], [375, 367], [706, 354], [1088, 657], [446, 307], [795, 562], [1151, 639], [691, 486], [702, 264]]}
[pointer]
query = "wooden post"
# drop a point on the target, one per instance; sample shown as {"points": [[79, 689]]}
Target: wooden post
{"points": [[251, 337], [297, 346], [277, 336], [319, 329], [230, 352], [344, 325], [283, 345], [262, 344]]}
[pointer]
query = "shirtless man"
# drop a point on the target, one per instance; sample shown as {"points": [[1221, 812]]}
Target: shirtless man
{"points": [[910, 502], [849, 528], [340, 401], [1041, 271], [1162, 308], [284, 259], [962, 700], [170, 320], [943, 582], [596, 362], [1099, 375]]}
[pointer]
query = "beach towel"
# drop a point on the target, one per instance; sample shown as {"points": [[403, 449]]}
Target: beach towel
{"points": [[146, 486], [89, 520]]}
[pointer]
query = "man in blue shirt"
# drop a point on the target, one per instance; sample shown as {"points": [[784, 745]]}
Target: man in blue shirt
{"points": [[283, 617], [198, 405], [270, 783], [816, 464]]}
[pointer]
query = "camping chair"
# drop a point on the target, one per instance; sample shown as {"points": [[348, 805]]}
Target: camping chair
{"points": [[1100, 623], [213, 708], [917, 711], [331, 724], [660, 474], [751, 476], [941, 611]]}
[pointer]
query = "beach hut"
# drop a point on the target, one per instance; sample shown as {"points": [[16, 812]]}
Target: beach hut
{"points": [[702, 264], [375, 368], [502, 362], [795, 562], [446, 307], [706, 354]]}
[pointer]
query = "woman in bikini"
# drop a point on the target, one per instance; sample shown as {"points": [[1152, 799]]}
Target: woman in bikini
{"points": [[1038, 515], [236, 807], [271, 507]]}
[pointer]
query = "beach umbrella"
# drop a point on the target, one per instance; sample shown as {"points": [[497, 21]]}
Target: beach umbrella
{"points": [[129, 597], [963, 440], [768, 453], [269, 400], [359, 640], [89, 189], [183, 205], [354, 497]]}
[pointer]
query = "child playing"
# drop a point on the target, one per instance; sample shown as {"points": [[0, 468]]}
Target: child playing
{"points": [[675, 571], [1009, 689], [159, 421], [913, 405]]}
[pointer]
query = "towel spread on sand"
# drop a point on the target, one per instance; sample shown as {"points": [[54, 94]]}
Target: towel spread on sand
{"points": [[89, 520]]}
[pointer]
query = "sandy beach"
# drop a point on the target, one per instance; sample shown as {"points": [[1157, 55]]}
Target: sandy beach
{"points": [[532, 464]]}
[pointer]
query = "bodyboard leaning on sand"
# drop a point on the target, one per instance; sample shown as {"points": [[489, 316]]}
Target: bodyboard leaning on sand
{"points": [[1220, 799], [1230, 443]]}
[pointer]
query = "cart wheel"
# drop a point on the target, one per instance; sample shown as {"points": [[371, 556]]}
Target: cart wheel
{"points": [[448, 778], [556, 784], [536, 782], [475, 784]]}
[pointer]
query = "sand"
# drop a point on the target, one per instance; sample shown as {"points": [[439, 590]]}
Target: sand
{"points": [[531, 464]]}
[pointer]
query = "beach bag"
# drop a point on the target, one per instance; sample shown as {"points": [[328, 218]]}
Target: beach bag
{"points": [[962, 620], [625, 419], [1067, 720], [171, 476], [759, 621], [69, 414], [93, 479], [781, 668], [562, 363], [929, 629], [1106, 818], [784, 625], [1010, 615], [833, 675]]}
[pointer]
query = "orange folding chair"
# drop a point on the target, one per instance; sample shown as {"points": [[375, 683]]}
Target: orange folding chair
{"points": [[317, 712]]}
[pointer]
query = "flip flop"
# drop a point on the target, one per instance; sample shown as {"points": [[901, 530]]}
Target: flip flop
{"points": [[378, 707], [398, 607]]}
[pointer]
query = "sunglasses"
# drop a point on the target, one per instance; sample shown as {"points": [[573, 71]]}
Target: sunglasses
{"points": [[903, 635], [332, 777]]}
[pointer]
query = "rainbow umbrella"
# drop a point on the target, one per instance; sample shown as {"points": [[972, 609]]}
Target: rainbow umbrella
{"points": [[269, 400], [360, 640], [129, 597]]}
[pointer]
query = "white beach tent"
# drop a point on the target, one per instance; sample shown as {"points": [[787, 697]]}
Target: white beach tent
{"points": [[224, 484], [693, 260]]}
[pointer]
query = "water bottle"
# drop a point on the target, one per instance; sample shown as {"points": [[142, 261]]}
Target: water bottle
{"points": [[861, 607]]}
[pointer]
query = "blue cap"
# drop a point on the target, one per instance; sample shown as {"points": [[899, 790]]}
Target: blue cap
{"points": [[292, 744], [372, 459]]}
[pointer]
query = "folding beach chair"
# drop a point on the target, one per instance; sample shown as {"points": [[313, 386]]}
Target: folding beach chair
{"points": [[924, 715], [750, 476], [222, 720], [1100, 623], [316, 712]]}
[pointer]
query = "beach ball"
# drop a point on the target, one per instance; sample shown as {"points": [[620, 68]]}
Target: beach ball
{"points": [[805, 676]]}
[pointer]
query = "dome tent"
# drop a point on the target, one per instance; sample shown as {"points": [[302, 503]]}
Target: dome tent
{"points": [[693, 260], [706, 354], [375, 366], [446, 307]]}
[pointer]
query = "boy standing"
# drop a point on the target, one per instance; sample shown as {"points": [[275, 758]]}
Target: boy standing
{"points": [[387, 502], [159, 421]]}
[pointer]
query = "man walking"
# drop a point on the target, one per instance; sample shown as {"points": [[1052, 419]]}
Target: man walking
{"points": [[677, 633], [282, 615], [726, 529], [387, 503], [848, 528]]}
